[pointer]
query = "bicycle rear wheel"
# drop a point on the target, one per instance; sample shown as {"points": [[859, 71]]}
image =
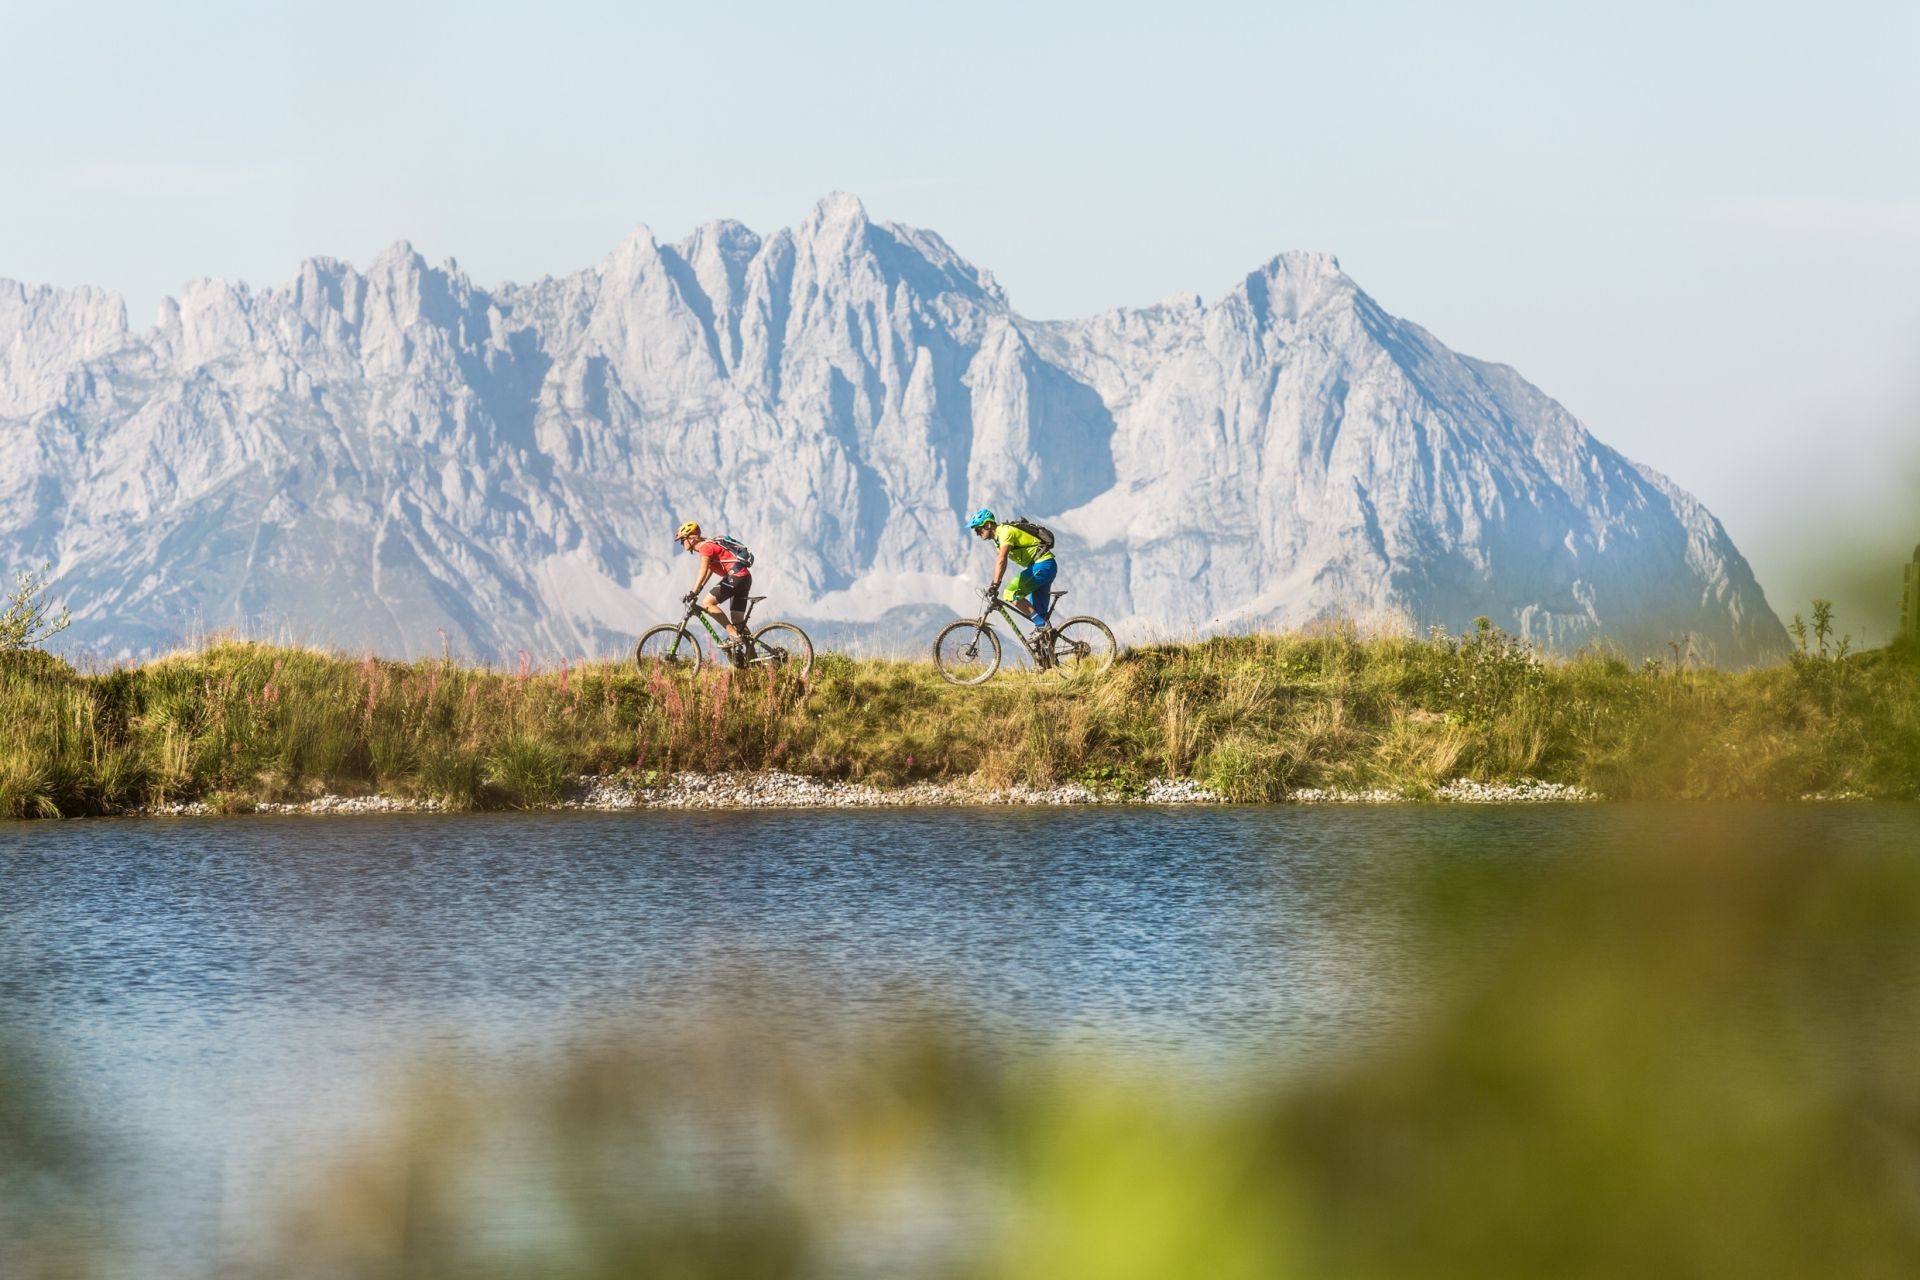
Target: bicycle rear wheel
{"points": [[966, 652], [1082, 647], [785, 646], [668, 648]]}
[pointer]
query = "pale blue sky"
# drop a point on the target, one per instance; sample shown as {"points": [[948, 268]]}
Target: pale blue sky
{"points": [[1698, 226]]}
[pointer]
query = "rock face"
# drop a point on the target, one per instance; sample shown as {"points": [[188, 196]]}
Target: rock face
{"points": [[370, 459]]}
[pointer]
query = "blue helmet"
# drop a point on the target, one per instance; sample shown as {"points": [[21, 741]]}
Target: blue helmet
{"points": [[980, 517]]}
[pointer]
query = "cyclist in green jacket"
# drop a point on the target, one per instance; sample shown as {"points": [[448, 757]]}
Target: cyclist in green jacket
{"points": [[1031, 587]]}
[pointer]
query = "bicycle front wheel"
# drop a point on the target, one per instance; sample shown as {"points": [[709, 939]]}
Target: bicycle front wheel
{"points": [[668, 648], [966, 652], [785, 647], [1082, 647]]}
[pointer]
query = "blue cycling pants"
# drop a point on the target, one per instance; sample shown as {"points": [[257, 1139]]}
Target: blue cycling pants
{"points": [[1034, 585]]}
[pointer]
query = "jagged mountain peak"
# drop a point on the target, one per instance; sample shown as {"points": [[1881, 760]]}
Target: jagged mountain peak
{"points": [[1291, 286], [45, 331], [834, 210], [1303, 263], [322, 266], [722, 235], [18, 297], [639, 245], [398, 257]]}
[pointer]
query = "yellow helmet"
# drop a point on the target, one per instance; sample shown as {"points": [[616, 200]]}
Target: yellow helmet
{"points": [[691, 529]]}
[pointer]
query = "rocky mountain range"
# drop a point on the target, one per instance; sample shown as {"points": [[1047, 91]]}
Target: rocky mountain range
{"points": [[372, 459]]}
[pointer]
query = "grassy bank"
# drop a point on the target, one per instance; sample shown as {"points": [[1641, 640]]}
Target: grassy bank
{"points": [[1254, 718]]}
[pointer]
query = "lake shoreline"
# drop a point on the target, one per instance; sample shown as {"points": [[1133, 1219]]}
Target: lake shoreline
{"points": [[730, 791]]}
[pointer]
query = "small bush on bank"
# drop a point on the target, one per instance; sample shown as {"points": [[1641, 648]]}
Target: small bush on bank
{"points": [[25, 622]]}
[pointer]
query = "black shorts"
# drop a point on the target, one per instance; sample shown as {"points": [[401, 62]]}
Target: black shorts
{"points": [[734, 588]]}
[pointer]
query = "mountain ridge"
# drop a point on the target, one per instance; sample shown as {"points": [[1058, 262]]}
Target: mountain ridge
{"points": [[506, 464]]}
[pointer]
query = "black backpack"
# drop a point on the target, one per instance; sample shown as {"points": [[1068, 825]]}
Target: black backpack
{"points": [[1039, 531]]}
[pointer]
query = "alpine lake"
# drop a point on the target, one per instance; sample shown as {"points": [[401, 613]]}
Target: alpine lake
{"points": [[219, 1006]]}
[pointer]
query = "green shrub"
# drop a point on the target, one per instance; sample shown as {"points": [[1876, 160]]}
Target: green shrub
{"points": [[26, 791], [25, 622], [454, 777], [524, 772]]}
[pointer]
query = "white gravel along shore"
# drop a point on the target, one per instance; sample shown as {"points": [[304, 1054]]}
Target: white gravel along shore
{"points": [[1525, 791], [776, 790], [792, 791], [321, 805], [1459, 791]]}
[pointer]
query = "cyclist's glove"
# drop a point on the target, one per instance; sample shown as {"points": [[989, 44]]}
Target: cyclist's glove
{"points": [[688, 598], [991, 593]]}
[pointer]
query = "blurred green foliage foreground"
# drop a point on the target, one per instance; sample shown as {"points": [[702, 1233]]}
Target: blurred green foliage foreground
{"points": [[1705, 1064], [1254, 718]]}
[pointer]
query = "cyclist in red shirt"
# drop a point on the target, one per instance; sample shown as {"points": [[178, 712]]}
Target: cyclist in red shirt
{"points": [[733, 564]]}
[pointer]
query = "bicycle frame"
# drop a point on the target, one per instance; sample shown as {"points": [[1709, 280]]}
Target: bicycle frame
{"points": [[1024, 634], [721, 640]]}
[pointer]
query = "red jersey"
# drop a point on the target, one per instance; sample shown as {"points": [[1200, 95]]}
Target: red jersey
{"points": [[725, 563]]}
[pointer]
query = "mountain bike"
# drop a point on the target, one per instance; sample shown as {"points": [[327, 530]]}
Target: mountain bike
{"points": [[672, 645], [968, 651]]}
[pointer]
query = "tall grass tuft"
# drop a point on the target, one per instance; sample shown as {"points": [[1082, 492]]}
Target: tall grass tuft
{"points": [[526, 772]]}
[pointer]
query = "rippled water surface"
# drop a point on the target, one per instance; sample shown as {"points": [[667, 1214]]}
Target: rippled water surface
{"points": [[221, 998]]}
